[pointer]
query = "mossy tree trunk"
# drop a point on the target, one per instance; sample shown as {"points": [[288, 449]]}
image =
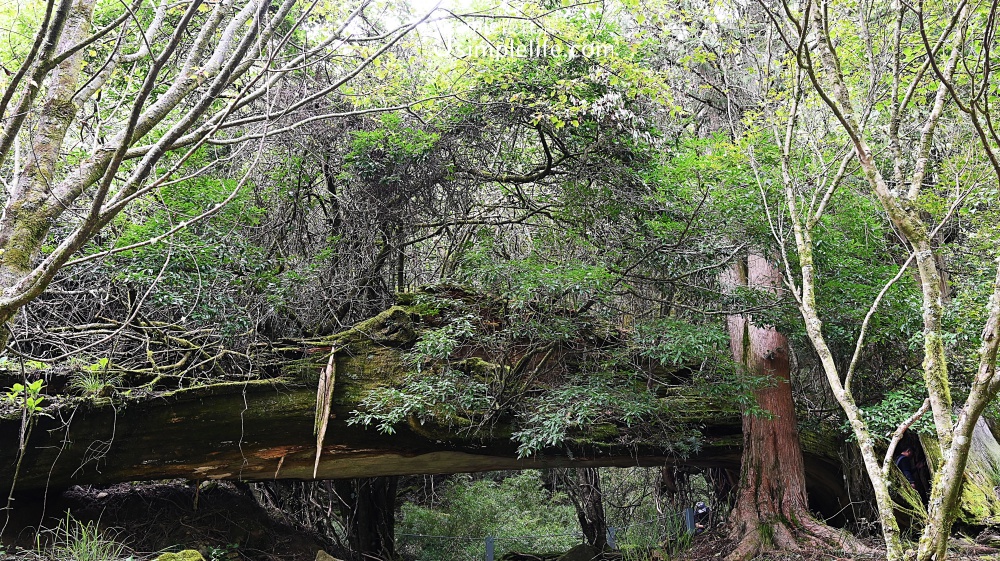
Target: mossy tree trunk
{"points": [[979, 504], [30, 208]]}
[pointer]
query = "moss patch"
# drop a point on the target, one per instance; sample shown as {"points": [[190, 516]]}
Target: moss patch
{"points": [[186, 555], [366, 348], [979, 503]]}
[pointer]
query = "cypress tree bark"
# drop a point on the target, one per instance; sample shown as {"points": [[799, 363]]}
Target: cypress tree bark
{"points": [[772, 510]]}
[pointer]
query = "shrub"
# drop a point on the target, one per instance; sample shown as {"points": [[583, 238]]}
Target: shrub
{"points": [[518, 511]]}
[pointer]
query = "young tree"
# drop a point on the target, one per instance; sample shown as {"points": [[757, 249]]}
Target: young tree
{"points": [[928, 51], [112, 102], [584, 489], [368, 510]]}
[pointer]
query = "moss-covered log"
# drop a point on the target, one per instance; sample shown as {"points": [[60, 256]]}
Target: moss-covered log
{"points": [[980, 502], [263, 429]]}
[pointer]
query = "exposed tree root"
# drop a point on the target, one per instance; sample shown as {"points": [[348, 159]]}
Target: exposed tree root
{"points": [[807, 535]]}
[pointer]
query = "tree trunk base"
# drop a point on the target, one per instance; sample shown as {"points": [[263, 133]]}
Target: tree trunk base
{"points": [[806, 535]]}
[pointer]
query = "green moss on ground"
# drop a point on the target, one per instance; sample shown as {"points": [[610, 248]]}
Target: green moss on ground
{"points": [[186, 555]]}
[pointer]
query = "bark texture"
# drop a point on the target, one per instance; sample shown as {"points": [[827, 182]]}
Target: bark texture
{"points": [[368, 507], [25, 222], [589, 502], [979, 503], [772, 510]]}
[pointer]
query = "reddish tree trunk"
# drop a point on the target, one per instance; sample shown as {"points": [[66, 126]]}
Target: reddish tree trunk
{"points": [[771, 508]]}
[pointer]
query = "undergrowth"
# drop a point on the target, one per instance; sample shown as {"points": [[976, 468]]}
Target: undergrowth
{"points": [[73, 540]]}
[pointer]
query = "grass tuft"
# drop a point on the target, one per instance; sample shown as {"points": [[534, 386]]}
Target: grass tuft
{"points": [[73, 540]]}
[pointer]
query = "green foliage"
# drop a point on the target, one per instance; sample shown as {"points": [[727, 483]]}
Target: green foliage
{"points": [[648, 523], [94, 380], [19, 22], [965, 314], [673, 342], [202, 271], [427, 305], [898, 405], [854, 254], [855, 259], [448, 398], [73, 540], [29, 365], [476, 508], [27, 397], [381, 156], [731, 384], [501, 379], [440, 343], [434, 392], [582, 70], [578, 406], [532, 280]]}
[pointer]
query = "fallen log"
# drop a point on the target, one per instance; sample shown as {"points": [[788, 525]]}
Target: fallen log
{"points": [[263, 429]]}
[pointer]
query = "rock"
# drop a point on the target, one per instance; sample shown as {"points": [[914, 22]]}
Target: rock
{"points": [[324, 556], [186, 555], [992, 540], [582, 552]]}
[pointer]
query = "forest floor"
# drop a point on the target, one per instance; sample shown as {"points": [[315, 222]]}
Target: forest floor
{"points": [[218, 518], [222, 521], [715, 546]]}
